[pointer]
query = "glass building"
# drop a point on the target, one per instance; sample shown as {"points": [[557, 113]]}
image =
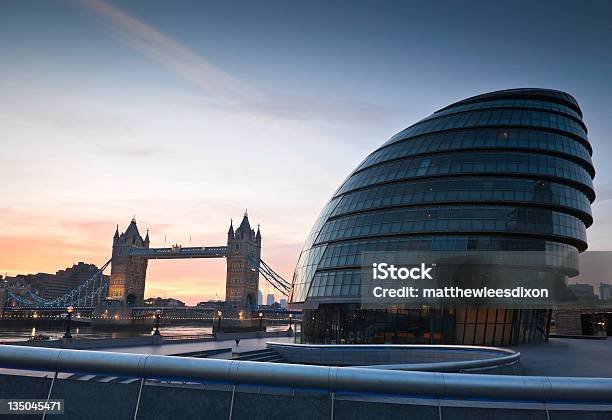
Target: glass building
{"points": [[502, 171]]}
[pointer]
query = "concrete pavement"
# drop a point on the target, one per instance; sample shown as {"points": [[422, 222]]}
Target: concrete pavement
{"points": [[246, 344], [567, 357]]}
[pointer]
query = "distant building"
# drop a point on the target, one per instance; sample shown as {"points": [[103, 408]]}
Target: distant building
{"points": [[274, 307], [259, 298], [283, 303], [582, 290], [605, 291], [50, 286], [22, 282], [16, 284], [210, 304], [166, 303], [270, 299]]}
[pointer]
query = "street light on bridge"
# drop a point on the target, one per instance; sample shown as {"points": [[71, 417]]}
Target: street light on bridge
{"points": [[260, 320], [157, 316], [219, 313], [290, 319], [69, 311]]}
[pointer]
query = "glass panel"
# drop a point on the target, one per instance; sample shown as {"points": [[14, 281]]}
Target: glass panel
{"points": [[490, 138], [490, 163], [450, 219]]}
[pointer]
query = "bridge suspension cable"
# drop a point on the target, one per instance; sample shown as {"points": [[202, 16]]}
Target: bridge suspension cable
{"points": [[35, 297], [21, 301], [271, 276], [88, 293]]}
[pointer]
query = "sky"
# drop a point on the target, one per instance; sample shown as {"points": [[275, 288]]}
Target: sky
{"points": [[185, 113]]}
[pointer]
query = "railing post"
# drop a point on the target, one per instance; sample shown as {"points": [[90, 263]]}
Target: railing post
{"points": [[49, 395], [547, 332], [142, 380], [232, 402]]}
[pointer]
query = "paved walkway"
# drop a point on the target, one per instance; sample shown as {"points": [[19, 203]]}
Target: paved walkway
{"points": [[557, 357], [567, 357], [246, 344]]}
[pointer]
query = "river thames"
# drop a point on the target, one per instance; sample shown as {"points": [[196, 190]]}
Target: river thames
{"points": [[21, 333]]}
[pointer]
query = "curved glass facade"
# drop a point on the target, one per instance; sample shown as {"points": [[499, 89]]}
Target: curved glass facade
{"points": [[496, 117], [455, 219], [508, 170], [515, 103], [450, 165], [461, 190], [482, 139]]}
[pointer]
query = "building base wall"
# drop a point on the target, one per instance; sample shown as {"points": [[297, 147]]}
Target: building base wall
{"points": [[347, 323]]}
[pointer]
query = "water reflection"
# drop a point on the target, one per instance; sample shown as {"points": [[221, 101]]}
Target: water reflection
{"points": [[8, 333]]}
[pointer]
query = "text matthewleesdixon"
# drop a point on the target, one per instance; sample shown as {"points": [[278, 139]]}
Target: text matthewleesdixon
{"points": [[384, 271]]}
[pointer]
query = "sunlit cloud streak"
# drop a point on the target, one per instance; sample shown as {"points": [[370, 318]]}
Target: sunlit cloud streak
{"points": [[171, 54], [228, 91]]}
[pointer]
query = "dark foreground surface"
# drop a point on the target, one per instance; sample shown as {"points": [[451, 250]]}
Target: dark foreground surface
{"points": [[118, 401], [103, 397], [567, 357]]}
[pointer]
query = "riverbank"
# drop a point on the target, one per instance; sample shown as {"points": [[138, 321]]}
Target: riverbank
{"points": [[150, 340]]}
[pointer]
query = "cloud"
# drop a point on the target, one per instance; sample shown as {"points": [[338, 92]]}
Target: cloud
{"points": [[137, 152], [603, 194], [228, 90], [170, 53]]}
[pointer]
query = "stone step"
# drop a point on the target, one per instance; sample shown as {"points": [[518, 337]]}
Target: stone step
{"points": [[263, 355]]}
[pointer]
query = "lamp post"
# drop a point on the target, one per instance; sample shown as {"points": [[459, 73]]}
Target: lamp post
{"points": [[69, 311], [157, 316], [219, 313], [260, 321], [290, 319]]}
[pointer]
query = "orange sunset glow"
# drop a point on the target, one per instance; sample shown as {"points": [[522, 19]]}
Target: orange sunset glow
{"points": [[35, 244]]}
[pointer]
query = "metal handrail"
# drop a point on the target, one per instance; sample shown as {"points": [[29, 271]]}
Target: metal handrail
{"points": [[189, 337], [400, 346], [500, 356], [431, 384]]}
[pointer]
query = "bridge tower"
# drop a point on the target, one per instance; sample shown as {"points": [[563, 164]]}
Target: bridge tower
{"points": [[127, 282], [242, 281]]}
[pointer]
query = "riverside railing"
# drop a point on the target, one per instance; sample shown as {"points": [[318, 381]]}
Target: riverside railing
{"points": [[423, 357], [333, 379]]}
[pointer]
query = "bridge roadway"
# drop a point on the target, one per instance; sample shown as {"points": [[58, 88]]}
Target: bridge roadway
{"points": [[180, 252]]}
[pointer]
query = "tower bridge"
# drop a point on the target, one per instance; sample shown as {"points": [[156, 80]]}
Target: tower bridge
{"points": [[130, 255]]}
